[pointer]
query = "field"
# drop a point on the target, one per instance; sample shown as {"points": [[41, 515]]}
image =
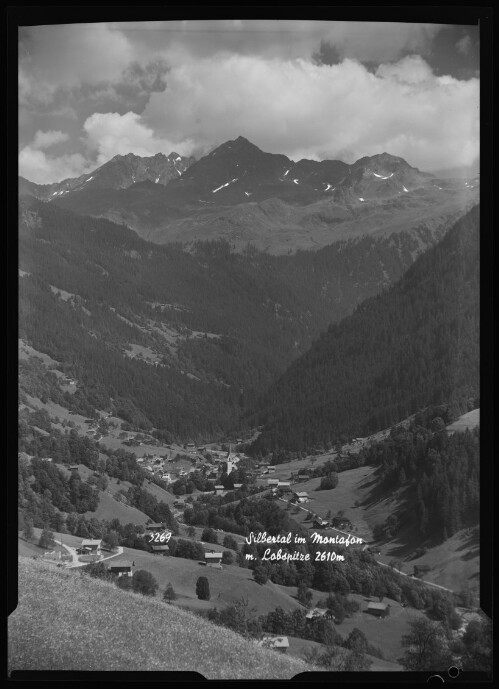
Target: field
{"points": [[64, 621], [455, 563], [383, 633], [226, 585], [354, 486], [469, 420]]}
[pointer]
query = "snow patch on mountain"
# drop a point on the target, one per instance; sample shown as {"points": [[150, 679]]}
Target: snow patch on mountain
{"points": [[224, 185], [381, 176]]}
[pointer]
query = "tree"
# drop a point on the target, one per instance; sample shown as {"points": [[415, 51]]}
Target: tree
{"points": [[46, 538], [426, 647], [111, 539], [28, 532], [209, 535], [356, 641], [227, 558], [477, 641], [304, 595], [203, 588], [260, 574], [143, 582], [230, 542], [169, 593], [191, 532], [328, 482]]}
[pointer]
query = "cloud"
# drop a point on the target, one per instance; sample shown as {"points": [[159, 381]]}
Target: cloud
{"points": [[41, 168], [464, 45], [38, 166], [67, 55], [111, 134], [47, 139], [185, 41], [302, 109]]}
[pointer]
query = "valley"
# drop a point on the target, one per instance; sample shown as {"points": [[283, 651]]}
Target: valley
{"points": [[199, 350]]}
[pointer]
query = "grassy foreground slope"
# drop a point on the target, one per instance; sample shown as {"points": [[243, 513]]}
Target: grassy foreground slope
{"points": [[67, 622]]}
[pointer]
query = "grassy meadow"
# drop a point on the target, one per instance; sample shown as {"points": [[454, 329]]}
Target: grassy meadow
{"points": [[64, 621]]}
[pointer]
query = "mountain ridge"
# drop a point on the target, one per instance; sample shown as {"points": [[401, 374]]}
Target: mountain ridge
{"points": [[244, 195]]}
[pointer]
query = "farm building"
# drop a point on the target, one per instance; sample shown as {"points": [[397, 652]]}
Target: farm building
{"points": [[213, 560], [303, 477], [155, 527], [123, 568], [314, 613], [276, 643], [301, 497], [320, 523], [160, 548], [219, 490], [378, 609], [273, 482], [284, 486], [91, 545], [73, 467], [419, 570], [341, 523]]}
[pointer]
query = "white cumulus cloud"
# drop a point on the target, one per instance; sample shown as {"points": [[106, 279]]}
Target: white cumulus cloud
{"points": [[300, 109], [113, 134]]}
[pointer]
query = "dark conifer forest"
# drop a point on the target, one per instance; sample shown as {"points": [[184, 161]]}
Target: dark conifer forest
{"points": [[415, 345]]}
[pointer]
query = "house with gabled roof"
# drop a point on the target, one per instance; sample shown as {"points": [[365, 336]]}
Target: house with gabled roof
{"points": [[123, 568], [378, 609], [213, 559], [92, 546]]}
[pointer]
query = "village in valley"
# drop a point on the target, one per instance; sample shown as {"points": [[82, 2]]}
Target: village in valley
{"points": [[227, 475]]}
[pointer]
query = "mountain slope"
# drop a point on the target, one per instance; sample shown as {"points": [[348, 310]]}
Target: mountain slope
{"points": [[415, 345], [118, 173], [68, 622], [244, 195], [180, 334]]}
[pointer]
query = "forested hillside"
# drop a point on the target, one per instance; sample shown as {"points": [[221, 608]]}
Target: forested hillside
{"points": [[180, 340], [415, 345]]}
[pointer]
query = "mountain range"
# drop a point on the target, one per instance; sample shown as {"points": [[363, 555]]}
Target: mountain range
{"points": [[118, 173], [246, 196]]}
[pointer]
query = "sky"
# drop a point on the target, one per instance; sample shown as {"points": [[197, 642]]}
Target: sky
{"points": [[308, 89]]}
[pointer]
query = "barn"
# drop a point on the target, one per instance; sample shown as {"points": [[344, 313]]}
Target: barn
{"points": [[123, 568], [378, 609]]}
